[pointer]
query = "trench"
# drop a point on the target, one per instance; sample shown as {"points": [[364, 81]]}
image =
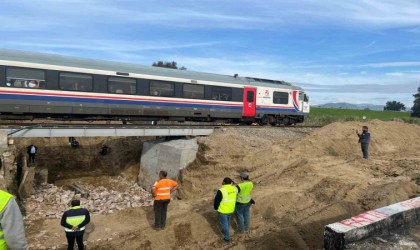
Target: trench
{"points": [[64, 162]]}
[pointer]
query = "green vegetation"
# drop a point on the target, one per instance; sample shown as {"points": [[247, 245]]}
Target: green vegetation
{"points": [[324, 116]]}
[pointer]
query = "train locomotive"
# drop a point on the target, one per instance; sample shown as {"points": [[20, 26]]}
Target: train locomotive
{"points": [[39, 86]]}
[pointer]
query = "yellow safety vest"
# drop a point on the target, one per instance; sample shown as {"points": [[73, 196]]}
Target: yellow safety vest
{"points": [[227, 205], [75, 220], [4, 199], [244, 195]]}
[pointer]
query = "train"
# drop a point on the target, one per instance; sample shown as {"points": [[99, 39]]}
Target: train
{"points": [[46, 86]]}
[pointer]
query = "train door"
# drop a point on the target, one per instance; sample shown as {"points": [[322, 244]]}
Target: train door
{"points": [[249, 109], [301, 94]]}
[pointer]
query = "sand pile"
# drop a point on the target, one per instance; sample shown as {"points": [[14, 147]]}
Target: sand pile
{"points": [[340, 139], [310, 180]]}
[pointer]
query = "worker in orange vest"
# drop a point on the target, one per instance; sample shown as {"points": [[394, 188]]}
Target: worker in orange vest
{"points": [[161, 192]]}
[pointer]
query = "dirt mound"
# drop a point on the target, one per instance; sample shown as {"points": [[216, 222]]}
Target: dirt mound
{"points": [[307, 181], [340, 139]]}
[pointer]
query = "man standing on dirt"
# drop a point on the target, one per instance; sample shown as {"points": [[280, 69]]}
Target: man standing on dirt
{"points": [[74, 222], [243, 202], [12, 230], [364, 140], [31, 150], [224, 203], [161, 192]]}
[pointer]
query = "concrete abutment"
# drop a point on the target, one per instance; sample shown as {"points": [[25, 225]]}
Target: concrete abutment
{"points": [[171, 156]]}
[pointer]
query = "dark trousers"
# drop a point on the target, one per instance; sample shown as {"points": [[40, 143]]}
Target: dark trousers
{"points": [[70, 241], [160, 207], [31, 158], [365, 150]]}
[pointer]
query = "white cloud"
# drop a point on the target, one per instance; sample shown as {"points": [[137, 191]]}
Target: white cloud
{"points": [[390, 64], [369, 45], [394, 74], [312, 75], [247, 14], [104, 45]]}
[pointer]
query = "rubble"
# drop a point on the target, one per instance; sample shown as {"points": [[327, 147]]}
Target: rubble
{"points": [[50, 201]]}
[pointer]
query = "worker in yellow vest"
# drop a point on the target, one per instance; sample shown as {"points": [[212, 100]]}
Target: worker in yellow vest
{"points": [[243, 202], [12, 230], [224, 203], [74, 222]]}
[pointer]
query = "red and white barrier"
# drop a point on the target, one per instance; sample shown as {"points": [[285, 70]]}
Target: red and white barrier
{"points": [[339, 234]]}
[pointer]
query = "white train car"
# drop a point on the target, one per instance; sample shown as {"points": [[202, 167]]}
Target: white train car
{"points": [[36, 85]]}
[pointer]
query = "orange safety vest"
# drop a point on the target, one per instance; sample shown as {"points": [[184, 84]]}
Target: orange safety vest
{"points": [[163, 189]]}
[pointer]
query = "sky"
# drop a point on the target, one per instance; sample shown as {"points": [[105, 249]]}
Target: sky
{"points": [[358, 51]]}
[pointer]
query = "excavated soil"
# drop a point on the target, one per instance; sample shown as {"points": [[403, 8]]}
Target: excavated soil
{"points": [[304, 179]]}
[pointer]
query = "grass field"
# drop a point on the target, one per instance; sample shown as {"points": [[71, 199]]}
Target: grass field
{"points": [[323, 116]]}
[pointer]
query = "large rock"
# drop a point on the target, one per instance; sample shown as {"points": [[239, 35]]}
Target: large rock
{"points": [[171, 156]]}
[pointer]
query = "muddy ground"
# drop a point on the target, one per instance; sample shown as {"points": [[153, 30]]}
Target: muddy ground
{"points": [[304, 179]]}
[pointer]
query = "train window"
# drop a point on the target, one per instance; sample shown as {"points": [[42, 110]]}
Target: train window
{"points": [[76, 82], [300, 96], [280, 97], [121, 85], [250, 96], [221, 93], [25, 78], [193, 91], [166, 89], [306, 98]]}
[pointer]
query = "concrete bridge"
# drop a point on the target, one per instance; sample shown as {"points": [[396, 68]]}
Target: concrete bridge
{"points": [[105, 131]]}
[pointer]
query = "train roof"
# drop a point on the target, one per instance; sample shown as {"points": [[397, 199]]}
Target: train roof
{"points": [[70, 61]]}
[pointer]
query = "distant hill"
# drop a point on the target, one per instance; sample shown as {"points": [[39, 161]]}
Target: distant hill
{"points": [[345, 105]]}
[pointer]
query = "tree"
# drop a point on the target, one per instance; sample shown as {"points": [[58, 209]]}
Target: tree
{"points": [[394, 106], [171, 65], [416, 106]]}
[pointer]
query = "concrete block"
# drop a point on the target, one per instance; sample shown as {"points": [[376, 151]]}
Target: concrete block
{"points": [[171, 156], [338, 235], [26, 185]]}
